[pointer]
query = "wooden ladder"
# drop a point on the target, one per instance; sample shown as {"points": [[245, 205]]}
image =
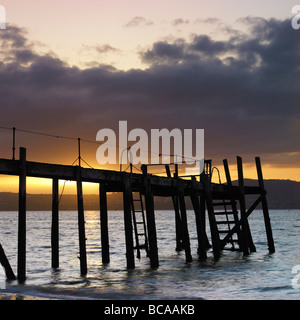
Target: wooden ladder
{"points": [[139, 223], [225, 220]]}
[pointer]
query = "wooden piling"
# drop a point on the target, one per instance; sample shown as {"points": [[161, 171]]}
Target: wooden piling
{"points": [[178, 231], [203, 212], [185, 231], [104, 224], [211, 216], [128, 221], [55, 225], [21, 273], [6, 265], [200, 229], [81, 224], [264, 203], [151, 226], [233, 203], [246, 240]]}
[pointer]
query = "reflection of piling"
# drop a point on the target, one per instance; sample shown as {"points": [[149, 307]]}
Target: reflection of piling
{"points": [[228, 224]]}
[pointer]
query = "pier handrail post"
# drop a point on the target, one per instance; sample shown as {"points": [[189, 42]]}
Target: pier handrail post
{"points": [[264, 203], [14, 143], [21, 274]]}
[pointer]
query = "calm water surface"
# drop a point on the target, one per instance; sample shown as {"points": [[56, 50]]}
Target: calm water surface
{"points": [[258, 276]]}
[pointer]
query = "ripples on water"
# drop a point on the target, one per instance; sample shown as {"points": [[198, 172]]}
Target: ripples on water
{"points": [[258, 276]]}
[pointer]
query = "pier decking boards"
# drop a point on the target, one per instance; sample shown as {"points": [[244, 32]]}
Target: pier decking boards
{"points": [[218, 200]]}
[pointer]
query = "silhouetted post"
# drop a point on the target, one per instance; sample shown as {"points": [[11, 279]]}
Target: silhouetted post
{"points": [[22, 218], [5, 263], [233, 203], [104, 224], [151, 227], [81, 224], [200, 229], [246, 240], [185, 231], [211, 216], [79, 153], [202, 211], [265, 207], [179, 245], [55, 224], [14, 143], [128, 221]]}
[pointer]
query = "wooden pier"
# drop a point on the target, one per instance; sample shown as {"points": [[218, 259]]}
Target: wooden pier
{"points": [[228, 224]]}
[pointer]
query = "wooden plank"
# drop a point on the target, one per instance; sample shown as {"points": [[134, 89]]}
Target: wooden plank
{"points": [[104, 224], [22, 218], [128, 221], [264, 203], [55, 225], [81, 224]]}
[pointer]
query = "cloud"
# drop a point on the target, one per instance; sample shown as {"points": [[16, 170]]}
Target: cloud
{"points": [[179, 21], [139, 21], [244, 91]]}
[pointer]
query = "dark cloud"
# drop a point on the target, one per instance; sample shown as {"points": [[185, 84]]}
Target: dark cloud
{"points": [[243, 91]]}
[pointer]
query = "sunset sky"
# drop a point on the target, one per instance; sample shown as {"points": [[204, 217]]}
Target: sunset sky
{"points": [[71, 68]]}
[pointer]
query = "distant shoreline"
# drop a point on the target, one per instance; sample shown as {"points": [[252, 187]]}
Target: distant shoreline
{"points": [[281, 194]]}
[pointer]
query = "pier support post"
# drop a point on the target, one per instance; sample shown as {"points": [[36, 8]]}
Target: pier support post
{"points": [[211, 216], [104, 224], [81, 224], [246, 240], [233, 204], [128, 222], [22, 218], [151, 226], [200, 230], [185, 231], [55, 225], [179, 245], [265, 207], [6, 265]]}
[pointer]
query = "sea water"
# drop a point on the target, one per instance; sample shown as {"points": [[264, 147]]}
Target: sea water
{"points": [[258, 276]]}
